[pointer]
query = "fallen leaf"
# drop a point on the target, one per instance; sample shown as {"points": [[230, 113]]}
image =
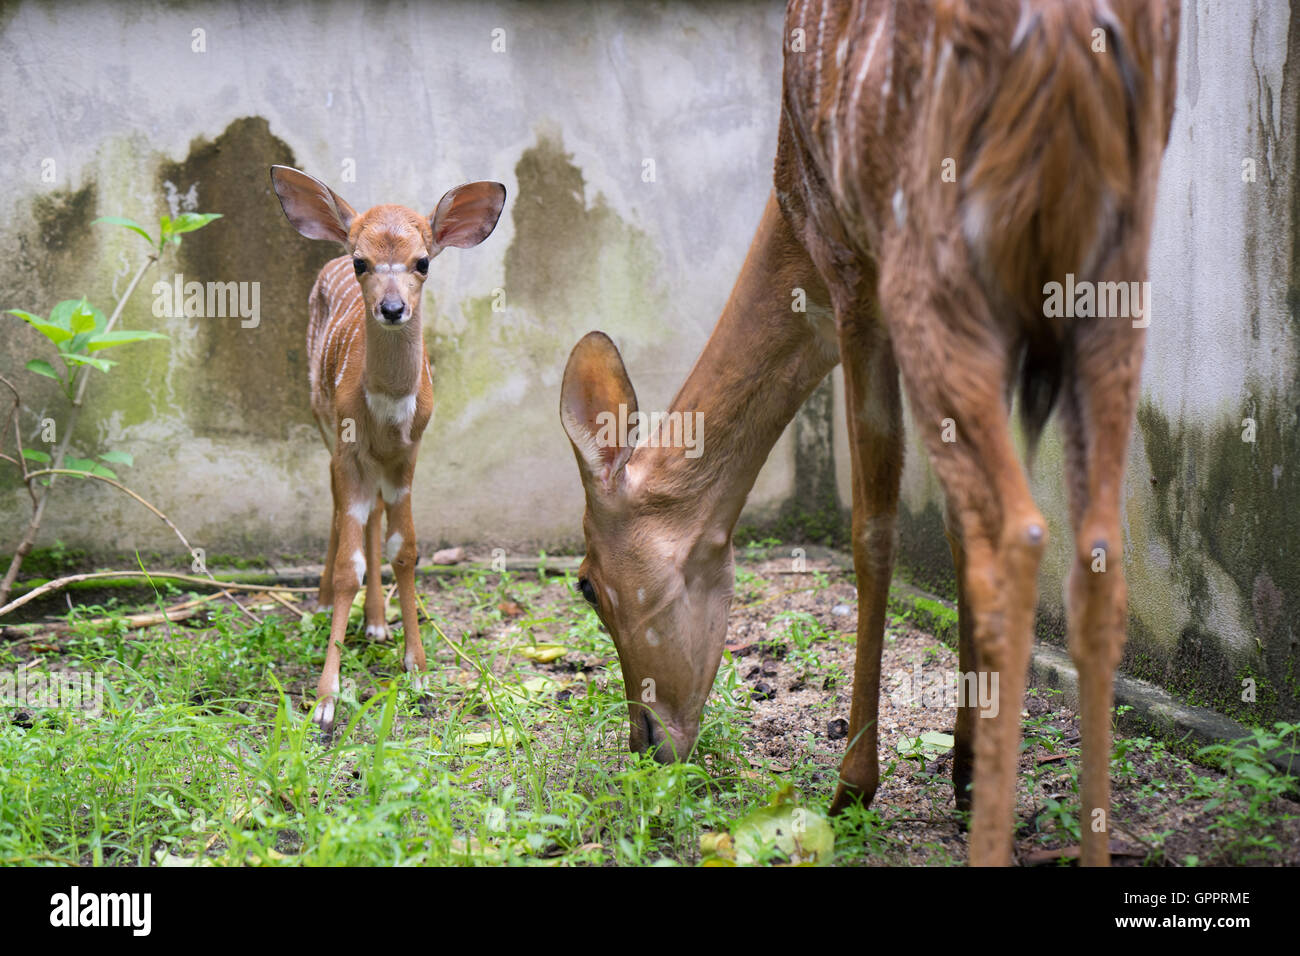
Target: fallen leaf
{"points": [[797, 833], [717, 844], [357, 613], [539, 685], [492, 852], [503, 737], [930, 742], [510, 608], [171, 859], [542, 653], [448, 556]]}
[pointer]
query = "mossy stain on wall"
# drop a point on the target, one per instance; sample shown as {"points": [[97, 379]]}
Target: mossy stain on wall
{"points": [[246, 380]]}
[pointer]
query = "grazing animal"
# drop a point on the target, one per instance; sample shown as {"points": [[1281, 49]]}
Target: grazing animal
{"points": [[372, 388], [940, 166]]}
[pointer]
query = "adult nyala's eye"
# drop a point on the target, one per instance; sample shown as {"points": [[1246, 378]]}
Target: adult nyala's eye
{"points": [[422, 265], [588, 592], [359, 264]]}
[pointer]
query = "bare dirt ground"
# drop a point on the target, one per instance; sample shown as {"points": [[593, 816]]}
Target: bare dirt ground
{"points": [[1166, 809]]}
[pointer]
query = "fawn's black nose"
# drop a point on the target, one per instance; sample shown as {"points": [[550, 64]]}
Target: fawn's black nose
{"points": [[391, 308]]}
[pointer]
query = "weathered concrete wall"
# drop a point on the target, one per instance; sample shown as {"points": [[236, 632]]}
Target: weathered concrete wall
{"points": [[415, 99]]}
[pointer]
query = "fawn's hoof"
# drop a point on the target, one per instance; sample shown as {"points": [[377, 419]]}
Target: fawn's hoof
{"points": [[323, 717], [377, 632]]}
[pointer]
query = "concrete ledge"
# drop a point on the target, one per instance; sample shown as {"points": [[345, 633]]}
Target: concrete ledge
{"points": [[1155, 710]]}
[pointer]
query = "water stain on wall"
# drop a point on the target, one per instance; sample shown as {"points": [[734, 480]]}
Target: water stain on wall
{"points": [[573, 264], [47, 259], [62, 217], [246, 381], [1224, 507]]}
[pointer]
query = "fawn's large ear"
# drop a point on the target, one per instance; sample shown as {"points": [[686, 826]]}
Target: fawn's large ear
{"points": [[311, 207], [467, 214], [596, 405]]}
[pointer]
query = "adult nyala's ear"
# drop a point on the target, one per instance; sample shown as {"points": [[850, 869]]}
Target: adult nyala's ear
{"points": [[596, 403], [311, 207], [467, 214]]}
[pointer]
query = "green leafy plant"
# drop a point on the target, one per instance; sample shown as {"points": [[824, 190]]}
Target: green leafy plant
{"points": [[169, 229], [1244, 802], [78, 331], [76, 328]]}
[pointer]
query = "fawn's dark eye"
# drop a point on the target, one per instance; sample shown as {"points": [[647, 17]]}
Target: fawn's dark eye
{"points": [[360, 265], [588, 592], [422, 265]]}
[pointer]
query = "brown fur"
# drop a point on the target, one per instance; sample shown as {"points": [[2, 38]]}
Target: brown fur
{"points": [[1057, 151], [936, 287], [372, 390]]}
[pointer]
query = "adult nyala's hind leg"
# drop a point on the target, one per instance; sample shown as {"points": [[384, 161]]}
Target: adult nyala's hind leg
{"points": [[874, 408]]}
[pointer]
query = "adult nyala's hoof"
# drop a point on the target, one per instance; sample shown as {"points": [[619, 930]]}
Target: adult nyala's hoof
{"points": [[847, 796]]}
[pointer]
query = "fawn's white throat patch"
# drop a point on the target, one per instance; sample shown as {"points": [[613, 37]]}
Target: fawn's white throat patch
{"points": [[393, 411]]}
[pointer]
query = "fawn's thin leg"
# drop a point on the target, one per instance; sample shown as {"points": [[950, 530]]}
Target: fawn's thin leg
{"points": [[403, 553], [376, 609], [875, 430], [1097, 419], [325, 596], [955, 377], [349, 566], [963, 751]]}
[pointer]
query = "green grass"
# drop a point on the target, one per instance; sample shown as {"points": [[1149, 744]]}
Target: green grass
{"points": [[204, 751], [201, 753]]}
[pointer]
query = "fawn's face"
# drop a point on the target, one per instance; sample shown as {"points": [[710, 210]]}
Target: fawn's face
{"points": [[391, 246], [661, 584]]}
